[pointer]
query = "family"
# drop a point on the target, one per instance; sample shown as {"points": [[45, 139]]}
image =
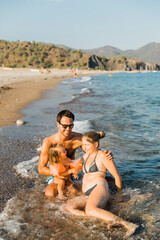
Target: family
{"points": [[59, 149]]}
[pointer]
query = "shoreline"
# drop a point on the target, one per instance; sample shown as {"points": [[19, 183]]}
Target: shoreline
{"points": [[20, 87]]}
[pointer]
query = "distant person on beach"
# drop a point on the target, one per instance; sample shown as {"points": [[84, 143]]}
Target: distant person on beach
{"points": [[95, 186], [59, 166], [70, 140]]}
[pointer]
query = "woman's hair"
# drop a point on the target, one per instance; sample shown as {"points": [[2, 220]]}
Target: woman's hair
{"points": [[93, 137], [54, 153]]}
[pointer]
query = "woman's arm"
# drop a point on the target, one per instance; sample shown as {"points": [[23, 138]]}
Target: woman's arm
{"points": [[111, 167]]}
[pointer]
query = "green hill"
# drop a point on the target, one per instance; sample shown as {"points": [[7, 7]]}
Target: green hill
{"points": [[38, 55], [42, 55]]}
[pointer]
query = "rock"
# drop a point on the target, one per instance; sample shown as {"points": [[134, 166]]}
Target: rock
{"points": [[19, 122]]}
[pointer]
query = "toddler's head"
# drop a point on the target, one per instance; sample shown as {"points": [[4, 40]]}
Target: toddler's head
{"points": [[56, 153]]}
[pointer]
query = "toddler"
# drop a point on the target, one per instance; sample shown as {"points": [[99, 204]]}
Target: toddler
{"points": [[59, 167]]}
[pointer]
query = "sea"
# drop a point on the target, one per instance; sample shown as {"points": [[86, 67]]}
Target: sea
{"points": [[126, 106]]}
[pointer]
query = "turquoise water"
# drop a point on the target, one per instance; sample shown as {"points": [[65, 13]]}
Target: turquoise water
{"points": [[126, 107]]}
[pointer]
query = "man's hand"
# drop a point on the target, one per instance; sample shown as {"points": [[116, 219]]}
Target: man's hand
{"points": [[109, 155]]}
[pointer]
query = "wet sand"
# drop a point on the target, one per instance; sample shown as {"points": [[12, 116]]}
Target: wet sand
{"points": [[19, 87]]}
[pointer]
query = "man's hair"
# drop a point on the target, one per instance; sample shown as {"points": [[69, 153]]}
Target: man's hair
{"points": [[65, 113]]}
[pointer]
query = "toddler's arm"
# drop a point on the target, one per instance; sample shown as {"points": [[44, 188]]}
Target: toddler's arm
{"points": [[69, 172]]}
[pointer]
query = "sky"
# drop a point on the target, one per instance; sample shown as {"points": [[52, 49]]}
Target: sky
{"points": [[82, 24]]}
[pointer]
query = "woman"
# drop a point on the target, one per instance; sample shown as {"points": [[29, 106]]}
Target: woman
{"points": [[95, 186]]}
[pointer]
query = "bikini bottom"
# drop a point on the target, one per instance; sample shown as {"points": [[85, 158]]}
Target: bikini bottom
{"points": [[88, 192]]}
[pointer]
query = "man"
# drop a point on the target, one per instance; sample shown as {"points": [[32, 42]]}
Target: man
{"points": [[70, 140]]}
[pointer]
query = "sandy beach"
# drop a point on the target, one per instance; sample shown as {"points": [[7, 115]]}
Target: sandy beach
{"points": [[19, 87]]}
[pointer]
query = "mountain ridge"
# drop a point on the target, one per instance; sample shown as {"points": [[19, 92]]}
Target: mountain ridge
{"points": [[148, 53]]}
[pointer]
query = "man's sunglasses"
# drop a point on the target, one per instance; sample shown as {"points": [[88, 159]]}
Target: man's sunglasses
{"points": [[65, 125]]}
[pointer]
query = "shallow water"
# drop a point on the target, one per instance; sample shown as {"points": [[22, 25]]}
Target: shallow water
{"points": [[126, 108]]}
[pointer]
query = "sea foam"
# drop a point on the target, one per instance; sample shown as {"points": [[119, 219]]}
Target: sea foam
{"points": [[9, 221], [28, 169], [84, 79], [85, 90], [82, 126]]}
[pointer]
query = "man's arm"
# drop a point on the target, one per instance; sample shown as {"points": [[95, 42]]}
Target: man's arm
{"points": [[77, 140], [43, 159]]}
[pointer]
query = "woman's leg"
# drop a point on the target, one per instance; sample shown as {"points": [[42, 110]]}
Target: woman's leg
{"points": [[98, 198], [76, 206]]}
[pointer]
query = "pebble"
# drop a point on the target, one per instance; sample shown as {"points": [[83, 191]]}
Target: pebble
{"points": [[19, 122]]}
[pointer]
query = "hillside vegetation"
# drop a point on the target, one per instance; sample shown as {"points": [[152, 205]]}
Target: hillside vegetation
{"points": [[42, 55], [38, 55]]}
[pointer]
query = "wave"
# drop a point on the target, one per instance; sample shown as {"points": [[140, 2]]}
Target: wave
{"points": [[74, 97], [28, 169], [84, 79], [11, 225], [68, 81], [82, 126], [73, 80], [85, 90], [21, 218]]}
